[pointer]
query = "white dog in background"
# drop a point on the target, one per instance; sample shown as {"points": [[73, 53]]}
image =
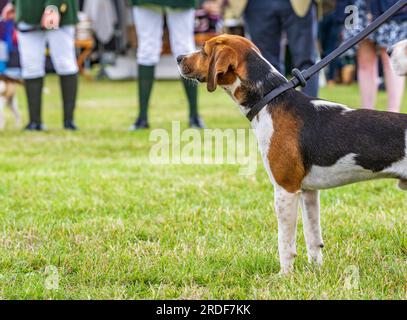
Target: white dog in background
{"points": [[8, 98], [399, 58]]}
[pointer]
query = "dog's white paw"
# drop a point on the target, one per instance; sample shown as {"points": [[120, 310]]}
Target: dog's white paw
{"points": [[315, 255], [286, 270], [287, 264], [315, 258]]}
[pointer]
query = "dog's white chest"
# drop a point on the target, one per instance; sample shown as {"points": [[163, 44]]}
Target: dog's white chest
{"points": [[263, 130]]}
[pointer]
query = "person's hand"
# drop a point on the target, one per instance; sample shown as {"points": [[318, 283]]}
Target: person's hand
{"points": [[8, 13], [51, 18], [212, 7]]}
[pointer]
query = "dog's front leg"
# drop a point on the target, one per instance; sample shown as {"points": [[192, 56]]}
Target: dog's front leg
{"points": [[312, 225], [286, 205], [13, 104], [2, 116]]}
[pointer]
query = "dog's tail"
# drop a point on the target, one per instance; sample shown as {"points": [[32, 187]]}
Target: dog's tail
{"points": [[403, 184]]}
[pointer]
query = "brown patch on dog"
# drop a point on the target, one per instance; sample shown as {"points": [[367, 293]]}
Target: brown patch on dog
{"points": [[221, 65], [284, 155], [239, 94]]}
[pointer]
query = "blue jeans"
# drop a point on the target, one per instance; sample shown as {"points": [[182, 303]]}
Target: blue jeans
{"points": [[266, 20]]}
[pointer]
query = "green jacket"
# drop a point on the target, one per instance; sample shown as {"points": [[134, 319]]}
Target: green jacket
{"points": [[167, 3], [31, 11]]}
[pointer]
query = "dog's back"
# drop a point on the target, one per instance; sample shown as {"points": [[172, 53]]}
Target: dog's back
{"points": [[367, 141]]}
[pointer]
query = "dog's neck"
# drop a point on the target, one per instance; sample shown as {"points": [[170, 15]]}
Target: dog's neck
{"points": [[261, 78]]}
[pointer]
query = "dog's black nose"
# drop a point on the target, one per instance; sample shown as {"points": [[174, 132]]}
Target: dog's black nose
{"points": [[389, 51], [179, 58]]}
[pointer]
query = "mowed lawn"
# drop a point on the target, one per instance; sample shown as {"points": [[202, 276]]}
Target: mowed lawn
{"points": [[85, 215]]}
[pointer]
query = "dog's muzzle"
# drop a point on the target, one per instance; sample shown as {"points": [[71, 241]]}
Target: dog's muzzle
{"points": [[180, 58]]}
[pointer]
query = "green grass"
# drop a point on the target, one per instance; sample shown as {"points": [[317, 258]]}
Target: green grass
{"points": [[117, 227]]}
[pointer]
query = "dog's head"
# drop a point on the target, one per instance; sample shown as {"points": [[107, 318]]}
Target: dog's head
{"points": [[220, 61], [399, 58], [235, 64]]}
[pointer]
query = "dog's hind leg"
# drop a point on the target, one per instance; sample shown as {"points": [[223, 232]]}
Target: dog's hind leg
{"points": [[403, 184], [13, 104], [2, 116], [286, 205], [312, 226]]}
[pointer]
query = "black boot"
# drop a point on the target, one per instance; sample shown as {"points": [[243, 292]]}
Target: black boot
{"points": [[140, 124], [145, 85], [70, 125], [32, 126], [69, 88], [33, 89], [192, 94], [196, 122]]}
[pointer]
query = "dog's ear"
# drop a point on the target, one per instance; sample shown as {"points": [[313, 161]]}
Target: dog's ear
{"points": [[223, 58]]}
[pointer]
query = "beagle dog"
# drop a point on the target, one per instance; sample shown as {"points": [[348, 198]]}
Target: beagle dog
{"points": [[8, 88], [398, 57], [306, 143]]}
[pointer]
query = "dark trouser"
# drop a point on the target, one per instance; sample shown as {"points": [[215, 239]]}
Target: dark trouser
{"points": [[266, 20], [329, 32], [33, 88], [145, 85]]}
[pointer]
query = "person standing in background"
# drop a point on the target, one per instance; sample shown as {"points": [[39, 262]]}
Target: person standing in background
{"points": [[376, 44], [43, 22], [329, 33], [266, 20], [149, 22]]}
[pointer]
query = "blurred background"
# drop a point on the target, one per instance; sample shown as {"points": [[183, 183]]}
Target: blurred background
{"points": [[120, 40], [90, 206]]}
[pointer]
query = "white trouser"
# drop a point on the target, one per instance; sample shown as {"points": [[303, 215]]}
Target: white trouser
{"points": [[32, 46], [149, 25]]}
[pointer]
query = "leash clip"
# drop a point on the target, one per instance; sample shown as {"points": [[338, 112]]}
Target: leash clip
{"points": [[300, 77]]}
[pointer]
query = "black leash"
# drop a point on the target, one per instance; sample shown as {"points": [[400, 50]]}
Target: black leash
{"points": [[300, 78]]}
